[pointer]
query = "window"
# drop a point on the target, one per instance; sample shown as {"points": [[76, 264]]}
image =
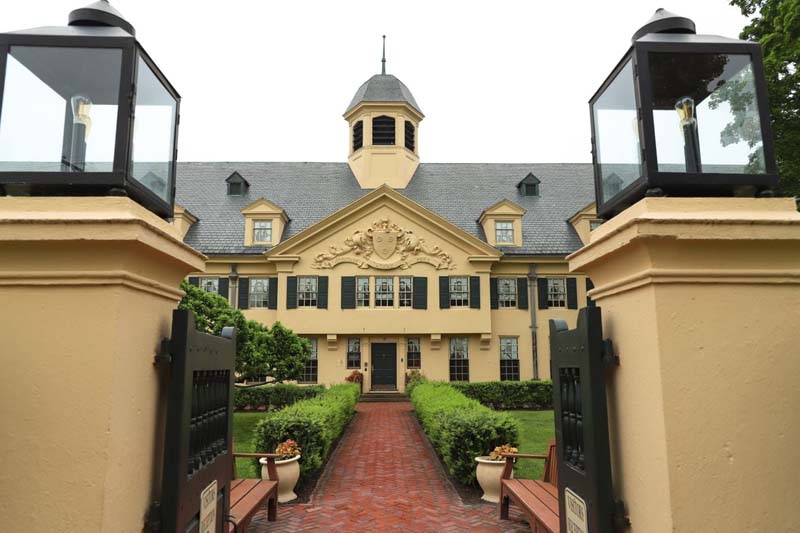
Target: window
{"points": [[459, 292], [309, 374], [406, 288], [210, 285], [504, 232], [354, 352], [383, 130], [358, 135], [594, 224], [409, 135], [384, 292], [556, 292], [530, 189], [413, 353], [235, 188], [507, 292], [262, 231], [459, 359], [259, 292], [509, 359], [307, 291], [362, 292]]}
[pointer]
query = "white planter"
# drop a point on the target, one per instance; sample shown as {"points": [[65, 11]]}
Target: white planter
{"points": [[288, 474], [489, 475]]}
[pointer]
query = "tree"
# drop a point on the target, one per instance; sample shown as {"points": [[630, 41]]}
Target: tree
{"points": [[776, 25], [260, 351]]}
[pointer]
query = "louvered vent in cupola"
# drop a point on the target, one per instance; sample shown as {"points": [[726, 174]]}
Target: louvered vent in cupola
{"points": [[237, 185], [358, 135], [383, 130], [410, 135], [529, 186]]}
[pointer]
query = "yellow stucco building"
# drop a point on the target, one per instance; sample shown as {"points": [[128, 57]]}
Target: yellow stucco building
{"points": [[388, 264]]}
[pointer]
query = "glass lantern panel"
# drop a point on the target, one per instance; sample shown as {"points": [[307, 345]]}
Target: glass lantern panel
{"points": [[706, 114], [59, 109], [153, 133], [616, 132]]}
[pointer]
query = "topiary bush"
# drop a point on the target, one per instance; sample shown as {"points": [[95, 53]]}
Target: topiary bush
{"points": [[460, 428], [272, 397], [314, 424], [510, 394]]}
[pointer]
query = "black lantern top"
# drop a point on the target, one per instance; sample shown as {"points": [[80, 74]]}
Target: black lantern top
{"points": [[682, 114], [85, 111]]}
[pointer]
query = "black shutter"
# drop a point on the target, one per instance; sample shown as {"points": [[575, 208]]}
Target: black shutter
{"points": [[541, 288], [244, 293], [420, 293], [572, 293], [474, 292], [444, 292], [522, 293], [194, 280], [493, 297], [322, 292], [291, 292], [272, 296], [223, 287], [348, 292], [589, 286]]}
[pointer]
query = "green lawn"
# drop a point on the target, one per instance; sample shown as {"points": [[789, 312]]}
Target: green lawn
{"points": [[243, 426], [536, 428]]}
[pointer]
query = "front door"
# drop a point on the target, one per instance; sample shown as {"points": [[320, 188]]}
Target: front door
{"points": [[384, 366]]}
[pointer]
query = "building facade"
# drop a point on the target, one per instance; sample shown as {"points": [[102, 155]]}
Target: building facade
{"points": [[387, 264]]}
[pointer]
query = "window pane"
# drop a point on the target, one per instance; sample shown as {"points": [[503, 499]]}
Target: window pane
{"points": [[504, 232], [262, 231], [309, 374], [384, 292], [459, 359], [362, 292], [60, 109], [706, 114], [414, 357], [307, 291], [616, 131], [354, 352], [210, 285], [556, 292], [507, 292], [259, 288], [153, 133], [459, 292], [406, 284]]}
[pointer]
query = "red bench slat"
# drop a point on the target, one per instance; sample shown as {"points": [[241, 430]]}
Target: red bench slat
{"points": [[247, 497], [535, 500]]}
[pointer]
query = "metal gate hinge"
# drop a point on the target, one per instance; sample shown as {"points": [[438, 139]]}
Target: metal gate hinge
{"points": [[609, 358], [621, 520], [152, 522], [164, 355]]}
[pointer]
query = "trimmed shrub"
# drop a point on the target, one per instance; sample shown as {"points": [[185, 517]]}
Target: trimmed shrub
{"points": [[314, 424], [272, 397], [414, 378], [510, 394], [460, 428]]}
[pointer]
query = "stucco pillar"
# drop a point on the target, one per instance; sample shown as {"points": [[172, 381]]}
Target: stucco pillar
{"points": [[87, 287], [701, 298]]}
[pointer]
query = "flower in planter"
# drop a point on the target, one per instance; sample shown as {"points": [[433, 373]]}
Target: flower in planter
{"points": [[355, 377], [497, 454], [288, 449]]}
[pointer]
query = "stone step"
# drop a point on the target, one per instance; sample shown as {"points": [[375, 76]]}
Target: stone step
{"points": [[383, 397]]}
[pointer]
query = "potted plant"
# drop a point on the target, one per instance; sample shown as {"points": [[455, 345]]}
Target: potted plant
{"points": [[490, 472], [356, 377], [288, 469]]}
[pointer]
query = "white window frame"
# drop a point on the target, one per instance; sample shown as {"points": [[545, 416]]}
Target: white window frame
{"points": [[353, 347], [362, 296], [307, 297], [504, 234], [214, 282], [384, 298], [459, 298], [507, 299], [265, 231], [509, 351], [417, 342], [258, 299], [405, 296], [556, 292]]}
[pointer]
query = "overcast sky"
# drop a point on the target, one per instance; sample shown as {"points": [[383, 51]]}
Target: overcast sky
{"points": [[497, 81]]}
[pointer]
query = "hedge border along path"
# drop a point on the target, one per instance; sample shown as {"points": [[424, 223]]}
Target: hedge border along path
{"points": [[314, 423], [460, 428], [272, 397], [531, 394]]}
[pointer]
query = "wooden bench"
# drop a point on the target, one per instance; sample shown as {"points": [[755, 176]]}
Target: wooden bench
{"points": [[248, 495], [538, 498]]}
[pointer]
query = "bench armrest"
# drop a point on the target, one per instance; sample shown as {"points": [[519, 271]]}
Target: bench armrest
{"points": [[270, 457]]}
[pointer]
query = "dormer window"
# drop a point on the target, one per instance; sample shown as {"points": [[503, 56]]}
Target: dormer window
{"points": [[383, 130], [262, 231], [237, 185], [529, 186], [409, 135], [358, 135], [504, 232]]}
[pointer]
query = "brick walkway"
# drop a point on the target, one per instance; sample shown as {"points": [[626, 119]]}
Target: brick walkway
{"points": [[384, 477]]}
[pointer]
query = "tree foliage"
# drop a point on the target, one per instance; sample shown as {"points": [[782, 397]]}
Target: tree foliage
{"points": [[776, 25], [276, 352]]}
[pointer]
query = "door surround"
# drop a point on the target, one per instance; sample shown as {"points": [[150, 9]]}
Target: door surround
{"points": [[383, 356]]}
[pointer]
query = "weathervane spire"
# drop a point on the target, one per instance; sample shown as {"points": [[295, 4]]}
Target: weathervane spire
{"points": [[383, 60]]}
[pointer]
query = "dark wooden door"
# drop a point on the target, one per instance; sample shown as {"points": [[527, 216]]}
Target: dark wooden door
{"points": [[384, 365]]}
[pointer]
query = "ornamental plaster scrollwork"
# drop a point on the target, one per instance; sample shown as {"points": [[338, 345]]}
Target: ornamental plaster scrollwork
{"points": [[376, 246]]}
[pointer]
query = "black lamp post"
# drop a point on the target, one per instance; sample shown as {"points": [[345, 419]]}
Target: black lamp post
{"points": [[682, 115], [85, 111]]}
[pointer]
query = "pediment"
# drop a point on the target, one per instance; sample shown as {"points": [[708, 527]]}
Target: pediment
{"points": [[503, 207], [384, 230], [262, 206]]}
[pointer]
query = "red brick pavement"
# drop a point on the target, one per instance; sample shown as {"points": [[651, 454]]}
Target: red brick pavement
{"points": [[384, 476]]}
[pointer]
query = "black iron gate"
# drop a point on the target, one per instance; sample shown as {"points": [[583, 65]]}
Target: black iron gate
{"points": [[197, 454], [578, 360]]}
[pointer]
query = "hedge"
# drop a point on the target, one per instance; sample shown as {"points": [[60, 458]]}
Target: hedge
{"points": [[314, 423], [272, 397], [460, 428], [510, 394]]}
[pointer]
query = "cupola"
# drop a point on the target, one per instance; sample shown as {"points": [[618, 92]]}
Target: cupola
{"points": [[383, 120]]}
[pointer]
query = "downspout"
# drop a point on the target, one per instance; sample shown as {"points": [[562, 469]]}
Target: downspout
{"points": [[234, 278], [532, 307]]}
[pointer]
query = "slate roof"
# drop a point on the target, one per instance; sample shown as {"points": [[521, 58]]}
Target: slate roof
{"points": [[383, 88], [458, 192]]}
